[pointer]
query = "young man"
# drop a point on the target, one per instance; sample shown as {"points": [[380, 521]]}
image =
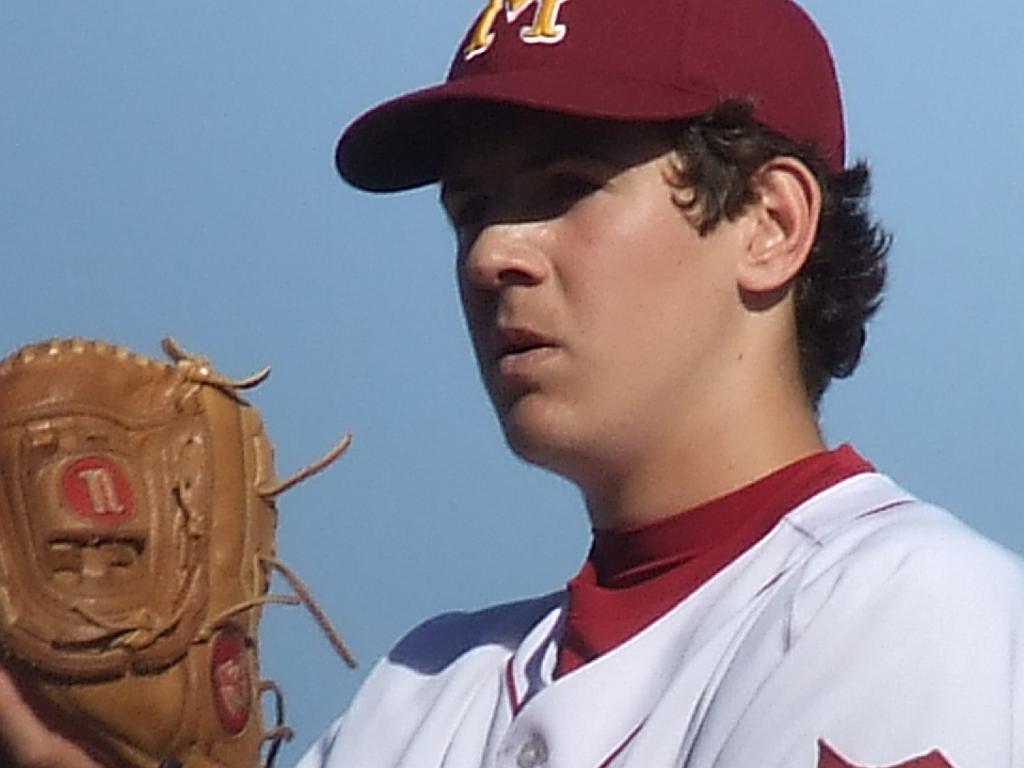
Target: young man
{"points": [[663, 261]]}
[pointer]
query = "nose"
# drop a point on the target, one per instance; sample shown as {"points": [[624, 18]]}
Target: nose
{"points": [[504, 254]]}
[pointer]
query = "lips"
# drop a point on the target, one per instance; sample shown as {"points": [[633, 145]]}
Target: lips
{"points": [[520, 353], [517, 341]]}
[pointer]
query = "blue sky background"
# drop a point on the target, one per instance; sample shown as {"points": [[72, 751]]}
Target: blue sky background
{"points": [[167, 168]]}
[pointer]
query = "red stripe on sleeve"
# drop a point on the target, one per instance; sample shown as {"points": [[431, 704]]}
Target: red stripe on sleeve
{"points": [[829, 758]]}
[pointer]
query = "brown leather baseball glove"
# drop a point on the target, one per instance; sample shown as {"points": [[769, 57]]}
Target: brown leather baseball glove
{"points": [[137, 528]]}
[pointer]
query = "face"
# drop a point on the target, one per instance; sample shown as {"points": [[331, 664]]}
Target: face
{"points": [[600, 318]]}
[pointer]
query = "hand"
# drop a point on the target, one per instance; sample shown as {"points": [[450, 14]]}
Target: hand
{"points": [[26, 740]]}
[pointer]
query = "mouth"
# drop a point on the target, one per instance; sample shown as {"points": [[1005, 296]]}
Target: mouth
{"points": [[513, 342], [521, 356]]}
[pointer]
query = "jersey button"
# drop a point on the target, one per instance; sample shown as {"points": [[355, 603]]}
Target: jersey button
{"points": [[533, 753]]}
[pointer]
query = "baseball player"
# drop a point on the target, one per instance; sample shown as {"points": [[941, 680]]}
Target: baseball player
{"points": [[664, 258]]}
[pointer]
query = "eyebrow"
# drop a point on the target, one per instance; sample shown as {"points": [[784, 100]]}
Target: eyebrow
{"points": [[538, 161]]}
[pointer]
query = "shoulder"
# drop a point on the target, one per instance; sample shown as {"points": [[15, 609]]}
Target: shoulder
{"points": [[438, 642], [424, 687], [898, 633], [910, 556]]}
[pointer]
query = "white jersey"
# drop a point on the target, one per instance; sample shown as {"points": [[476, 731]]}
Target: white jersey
{"points": [[866, 629]]}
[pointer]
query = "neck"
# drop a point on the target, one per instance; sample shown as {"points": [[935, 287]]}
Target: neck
{"points": [[682, 467]]}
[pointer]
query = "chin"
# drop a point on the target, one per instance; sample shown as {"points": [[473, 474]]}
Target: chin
{"points": [[541, 436], [527, 448]]}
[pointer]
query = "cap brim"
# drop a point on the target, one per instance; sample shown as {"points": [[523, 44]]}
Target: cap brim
{"points": [[400, 144]]}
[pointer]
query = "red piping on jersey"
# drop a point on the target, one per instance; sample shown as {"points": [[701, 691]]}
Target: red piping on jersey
{"points": [[510, 683], [885, 508], [618, 750]]}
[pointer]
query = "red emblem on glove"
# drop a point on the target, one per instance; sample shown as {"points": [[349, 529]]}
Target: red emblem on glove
{"points": [[96, 488], [232, 686], [829, 758]]}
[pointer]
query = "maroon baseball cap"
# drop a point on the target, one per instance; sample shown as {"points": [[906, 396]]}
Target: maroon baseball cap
{"points": [[631, 60]]}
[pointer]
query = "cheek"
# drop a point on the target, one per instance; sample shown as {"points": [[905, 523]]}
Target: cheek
{"points": [[651, 297], [473, 313], [476, 327], [628, 270]]}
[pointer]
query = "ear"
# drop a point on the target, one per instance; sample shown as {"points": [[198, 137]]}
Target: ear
{"points": [[785, 222]]}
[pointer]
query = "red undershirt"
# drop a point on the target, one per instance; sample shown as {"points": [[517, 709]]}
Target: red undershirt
{"points": [[632, 577]]}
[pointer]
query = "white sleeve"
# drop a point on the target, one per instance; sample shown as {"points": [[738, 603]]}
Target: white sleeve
{"points": [[897, 654], [319, 754]]}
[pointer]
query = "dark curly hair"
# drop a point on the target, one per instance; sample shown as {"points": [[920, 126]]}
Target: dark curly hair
{"points": [[839, 288]]}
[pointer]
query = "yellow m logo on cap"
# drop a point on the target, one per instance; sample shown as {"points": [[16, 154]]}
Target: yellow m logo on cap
{"points": [[544, 28]]}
